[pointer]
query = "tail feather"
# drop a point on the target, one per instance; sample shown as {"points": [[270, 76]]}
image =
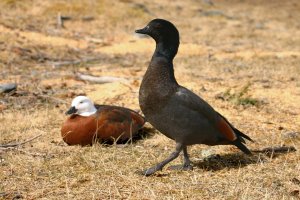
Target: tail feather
{"points": [[238, 132], [241, 146], [241, 139]]}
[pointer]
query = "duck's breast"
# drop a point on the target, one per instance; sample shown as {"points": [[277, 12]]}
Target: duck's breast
{"points": [[79, 130]]}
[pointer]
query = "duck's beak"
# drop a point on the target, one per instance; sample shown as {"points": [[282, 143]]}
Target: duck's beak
{"points": [[72, 110], [142, 31]]}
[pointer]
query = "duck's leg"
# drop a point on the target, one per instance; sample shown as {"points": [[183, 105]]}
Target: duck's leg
{"points": [[186, 162], [160, 165]]}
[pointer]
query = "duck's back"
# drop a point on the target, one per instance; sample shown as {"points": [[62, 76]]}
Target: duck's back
{"points": [[118, 122]]}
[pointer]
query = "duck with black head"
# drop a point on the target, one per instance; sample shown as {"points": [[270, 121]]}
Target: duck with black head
{"points": [[174, 110], [89, 123]]}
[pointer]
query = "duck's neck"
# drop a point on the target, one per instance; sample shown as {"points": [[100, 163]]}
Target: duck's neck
{"points": [[92, 110], [159, 81], [160, 73], [162, 61], [167, 49]]}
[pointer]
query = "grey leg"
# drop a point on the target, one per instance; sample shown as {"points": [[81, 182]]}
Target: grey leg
{"points": [[160, 165], [186, 163]]}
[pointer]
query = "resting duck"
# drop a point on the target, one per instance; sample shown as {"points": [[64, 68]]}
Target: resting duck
{"points": [[90, 123], [176, 111]]}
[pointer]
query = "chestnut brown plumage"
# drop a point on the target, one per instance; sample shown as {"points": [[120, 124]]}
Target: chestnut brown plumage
{"points": [[104, 123]]}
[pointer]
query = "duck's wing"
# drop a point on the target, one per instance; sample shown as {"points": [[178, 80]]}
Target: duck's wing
{"points": [[193, 102], [118, 113], [115, 121]]}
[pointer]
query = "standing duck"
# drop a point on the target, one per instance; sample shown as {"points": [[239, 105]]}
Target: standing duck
{"points": [[89, 123], [174, 110]]}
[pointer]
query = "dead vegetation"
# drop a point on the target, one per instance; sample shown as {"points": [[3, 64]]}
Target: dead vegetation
{"points": [[241, 56]]}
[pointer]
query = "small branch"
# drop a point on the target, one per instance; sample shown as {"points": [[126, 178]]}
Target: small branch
{"points": [[20, 143], [95, 40], [87, 18], [277, 149], [53, 98], [8, 87], [73, 62], [60, 22], [102, 79], [61, 19], [33, 154]]}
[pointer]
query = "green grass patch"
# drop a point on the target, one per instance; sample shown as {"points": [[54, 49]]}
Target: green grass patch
{"points": [[240, 97]]}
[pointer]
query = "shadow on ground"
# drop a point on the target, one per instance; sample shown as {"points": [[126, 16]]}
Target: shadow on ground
{"points": [[239, 160], [143, 133]]}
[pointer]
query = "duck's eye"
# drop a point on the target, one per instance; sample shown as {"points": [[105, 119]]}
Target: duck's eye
{"points": [[81, 102], [157, 25]]}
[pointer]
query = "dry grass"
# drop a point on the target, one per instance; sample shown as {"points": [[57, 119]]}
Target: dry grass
{"points": [[224, 47]]}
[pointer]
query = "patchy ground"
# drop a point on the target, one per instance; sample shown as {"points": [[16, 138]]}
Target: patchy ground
{"points": [[241, 56]]}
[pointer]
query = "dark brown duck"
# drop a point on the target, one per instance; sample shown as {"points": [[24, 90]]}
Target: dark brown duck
{"points": [[174, 110]]}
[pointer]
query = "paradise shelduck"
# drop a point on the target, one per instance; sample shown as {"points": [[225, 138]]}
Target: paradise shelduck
{"points": [[90, 122], [174, 110]]}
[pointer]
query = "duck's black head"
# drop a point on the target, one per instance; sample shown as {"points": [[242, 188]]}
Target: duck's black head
{"points": [[165, 34]]}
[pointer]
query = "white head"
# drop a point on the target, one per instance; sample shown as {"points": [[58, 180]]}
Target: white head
{"points": [[83, 106]]}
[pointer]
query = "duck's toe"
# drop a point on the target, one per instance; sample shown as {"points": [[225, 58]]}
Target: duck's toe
{"points": [[181, 167], [150, 171]]}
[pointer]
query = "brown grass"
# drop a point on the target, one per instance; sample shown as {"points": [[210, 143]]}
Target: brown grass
{"points": [[255, 43]]}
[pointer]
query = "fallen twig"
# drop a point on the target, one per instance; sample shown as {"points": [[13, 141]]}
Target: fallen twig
{"points": [[52, 98], [276, 149], [102, 79], [60, 22], [95, 40], [34, 154], [8, 87], [73, 62], [87, 18], [61, 19], [20, 143]]}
